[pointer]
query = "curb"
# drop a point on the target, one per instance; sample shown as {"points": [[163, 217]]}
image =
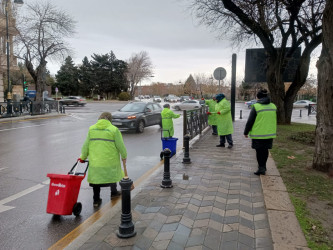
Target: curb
{"points": [[285, 229], [29, 117]]}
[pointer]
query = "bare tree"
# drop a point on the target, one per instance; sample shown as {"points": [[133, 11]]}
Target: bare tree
{"points": [[42, 33], [139, 68], [323, 156], [277, 25]]}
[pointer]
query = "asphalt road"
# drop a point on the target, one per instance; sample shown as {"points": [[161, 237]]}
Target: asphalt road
{"points": [[30, 149]]}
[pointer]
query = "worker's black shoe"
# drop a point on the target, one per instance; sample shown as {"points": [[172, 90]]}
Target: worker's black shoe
{"points": [[230, 146], [260, 172], [97, 203], [115, 194], [221, 145]]}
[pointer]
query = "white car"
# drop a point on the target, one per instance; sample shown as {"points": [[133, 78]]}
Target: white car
{"points": [[187, 105], [302, 104], [157, 98]]}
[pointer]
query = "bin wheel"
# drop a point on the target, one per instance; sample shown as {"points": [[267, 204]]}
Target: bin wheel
{"points": [[162, 155], [77, 208]]}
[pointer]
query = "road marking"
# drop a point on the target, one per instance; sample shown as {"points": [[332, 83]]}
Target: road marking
{"points": [[3, 168], [1, 130], [76, 117], [19, 195]]}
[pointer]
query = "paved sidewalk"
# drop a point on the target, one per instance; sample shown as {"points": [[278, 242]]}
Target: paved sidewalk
{"points": [[221, 205]]}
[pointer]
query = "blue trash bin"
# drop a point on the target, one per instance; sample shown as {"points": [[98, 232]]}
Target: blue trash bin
{"points": [[170, 143]]}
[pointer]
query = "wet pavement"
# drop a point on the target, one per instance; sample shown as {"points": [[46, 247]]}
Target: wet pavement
{"points": [[216, 203]]}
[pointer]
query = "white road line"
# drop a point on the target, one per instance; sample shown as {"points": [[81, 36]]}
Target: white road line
{"points": [[3, 168], [1, 130], [19, 195]]}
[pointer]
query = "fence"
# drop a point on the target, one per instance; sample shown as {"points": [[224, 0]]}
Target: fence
{"points": [[312, 109], [29, 108], [195, 121]]}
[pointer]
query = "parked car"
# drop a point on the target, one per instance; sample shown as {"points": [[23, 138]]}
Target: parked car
{"points": [[141, 97], [250, 103], [157, 98], [73, 100], [302, 104], [137, 115], [187, 105], [170, 98], [184, 98], [147, 96]]}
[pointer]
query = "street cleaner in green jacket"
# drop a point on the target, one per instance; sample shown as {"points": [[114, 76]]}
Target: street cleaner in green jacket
{"points": [[104, 146], [167, 122], [212, 116], [224, 121], [261, 127]]}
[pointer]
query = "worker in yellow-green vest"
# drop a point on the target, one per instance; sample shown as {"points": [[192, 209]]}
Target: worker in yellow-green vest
{"points": [[104, 146], [224, 121], [167, 122], [261, 128], [212, 116]]}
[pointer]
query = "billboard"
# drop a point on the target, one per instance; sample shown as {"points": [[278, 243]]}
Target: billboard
{"points": [[256, 65]]}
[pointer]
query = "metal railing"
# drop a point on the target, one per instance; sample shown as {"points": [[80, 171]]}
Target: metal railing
{"points": [[29, 108], [195, 121], [312, 109]]}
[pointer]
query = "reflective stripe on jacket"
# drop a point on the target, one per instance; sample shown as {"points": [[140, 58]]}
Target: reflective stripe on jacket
{"points": [[103, 147], [264, 126], [167, 123]]}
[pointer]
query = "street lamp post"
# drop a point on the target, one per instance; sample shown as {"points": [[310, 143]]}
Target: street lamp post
{"points": [[9, 94]]}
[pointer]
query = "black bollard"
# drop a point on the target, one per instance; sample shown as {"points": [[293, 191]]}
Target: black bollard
{"points": [[166, 182], [126, 228], [186, 159], [240, 114], [300, 113]]}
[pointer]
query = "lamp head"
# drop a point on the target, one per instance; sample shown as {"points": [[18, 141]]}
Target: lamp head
{"points": [[18, 1]]}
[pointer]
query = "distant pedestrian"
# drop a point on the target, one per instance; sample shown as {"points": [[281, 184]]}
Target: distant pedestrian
{"points": [[167, 122], [104, 146], [224, 121], [212, 116], [261, 127]]}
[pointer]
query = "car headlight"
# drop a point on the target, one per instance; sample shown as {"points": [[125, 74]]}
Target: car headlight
{"points": [[131, 117]]}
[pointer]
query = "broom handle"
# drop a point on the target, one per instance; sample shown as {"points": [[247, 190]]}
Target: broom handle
{"points": [[125, 170]]}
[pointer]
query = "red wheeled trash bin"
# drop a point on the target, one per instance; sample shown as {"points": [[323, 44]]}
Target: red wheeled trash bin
{"points": [[63, 193]]}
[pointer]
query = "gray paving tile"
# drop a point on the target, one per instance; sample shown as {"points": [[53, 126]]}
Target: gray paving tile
{"points": [[261, 224], [230, 236], [169, 227], [143, 242], [263, 242], [228, 245], [247, 223], [246, 240], [231, 219], [181, 235]]}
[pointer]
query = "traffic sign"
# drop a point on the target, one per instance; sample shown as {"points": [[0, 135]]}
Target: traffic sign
{"points": [[219, 73]]}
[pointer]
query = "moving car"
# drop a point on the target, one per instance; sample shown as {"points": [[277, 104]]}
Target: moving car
{"points": [[302, 104], [157, 98], [187, 105], [73, 100], [137, 115], [184, 98], [250, 103]]}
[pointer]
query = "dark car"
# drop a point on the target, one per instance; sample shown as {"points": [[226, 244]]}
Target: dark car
{"points": [[137, 115], [250, 103], [73, 100]]}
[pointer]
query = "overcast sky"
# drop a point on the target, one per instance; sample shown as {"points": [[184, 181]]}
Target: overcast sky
{"points": [[175, 42]]}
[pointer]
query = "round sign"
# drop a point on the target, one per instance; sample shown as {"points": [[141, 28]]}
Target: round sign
{"points": [[219, 73], [56, 89]]}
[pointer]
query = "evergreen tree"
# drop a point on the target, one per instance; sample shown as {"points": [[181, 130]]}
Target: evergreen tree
{"points": [[190, 86], [67, 78], [87, 84]]}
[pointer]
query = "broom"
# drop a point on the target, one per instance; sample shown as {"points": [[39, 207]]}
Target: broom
{"points": [[125, 171]]}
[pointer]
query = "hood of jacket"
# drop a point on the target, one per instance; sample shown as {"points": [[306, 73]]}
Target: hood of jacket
{"points": [[219, 97], [264, 100], [103, 124]]}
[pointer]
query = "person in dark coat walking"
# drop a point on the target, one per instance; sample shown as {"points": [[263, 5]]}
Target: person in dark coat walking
{"points": [[261, 127]]}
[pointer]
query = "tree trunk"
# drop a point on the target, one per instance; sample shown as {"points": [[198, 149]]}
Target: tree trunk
{"points": [[323, 156]]}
